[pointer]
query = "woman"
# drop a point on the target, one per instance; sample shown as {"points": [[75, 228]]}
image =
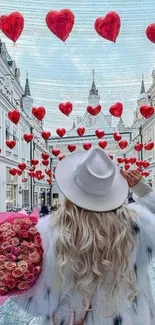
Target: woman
{"points": [[96, 250]]}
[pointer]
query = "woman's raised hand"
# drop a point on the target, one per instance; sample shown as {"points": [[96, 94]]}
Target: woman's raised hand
{"points": [[133, 177]]}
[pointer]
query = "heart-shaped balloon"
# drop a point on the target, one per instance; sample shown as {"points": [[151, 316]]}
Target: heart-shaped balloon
{"points": [[34, 162], [102, 144], [146, 164], [87, 146], [48, 172], [111, 157], [55, 152], [14, 116], [81, 131], [116, 109], [13, 171], [39, 172], [45, 155], [12, 25], [10, 143], [45, 162], [150, 32], [45, 135], [127, 161], [139, 163], [132, 160], [32, 169], [32, 174], [28, 137], [66, 108], [39, 112], [100, 134], [61, 157], [60, 23], [22, 166], [109, 26], [24, 180], [149, 146], [127, 167], [123, 144], [138, 147], [49, 181], [117, 136], [147, 111], [71, 147], [145, 174], [94, 110], [120, 160], [61, 132], [19, 172]]}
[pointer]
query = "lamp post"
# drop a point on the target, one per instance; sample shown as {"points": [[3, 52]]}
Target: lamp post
{"points": [[32, 150]]}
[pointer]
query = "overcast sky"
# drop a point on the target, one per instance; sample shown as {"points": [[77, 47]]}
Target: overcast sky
{"points": [[61, 72]]}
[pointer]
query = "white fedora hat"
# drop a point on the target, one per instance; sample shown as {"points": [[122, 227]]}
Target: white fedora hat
{"points": [[91, 180]]}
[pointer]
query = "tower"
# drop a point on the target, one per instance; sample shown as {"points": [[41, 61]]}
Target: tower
{"points": [[93, 98], [142, 99], [27, 100]]}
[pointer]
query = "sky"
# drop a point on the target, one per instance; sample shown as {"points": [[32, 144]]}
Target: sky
{"points": [[60, 72]]}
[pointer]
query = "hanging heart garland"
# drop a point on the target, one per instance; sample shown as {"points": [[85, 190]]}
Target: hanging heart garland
{"points": [[60, 23], [66, 108], [109, 26], [14, 116], [12, 25], [116, 109]]}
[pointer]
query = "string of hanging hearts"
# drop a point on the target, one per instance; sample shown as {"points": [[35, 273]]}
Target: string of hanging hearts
{"points": [[61, 23]]}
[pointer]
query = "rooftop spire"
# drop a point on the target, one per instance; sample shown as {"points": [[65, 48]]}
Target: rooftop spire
{"points": [[27, 87], [93, 89], [142, 91]]}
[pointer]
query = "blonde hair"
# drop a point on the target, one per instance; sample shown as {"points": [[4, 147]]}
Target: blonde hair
{"points": [[93, 244]]}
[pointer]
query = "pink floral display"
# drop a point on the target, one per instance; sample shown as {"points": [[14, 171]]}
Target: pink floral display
{"points": [[21, 254]]}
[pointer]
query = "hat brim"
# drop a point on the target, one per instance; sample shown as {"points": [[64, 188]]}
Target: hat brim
{"points": [[64, 176]]}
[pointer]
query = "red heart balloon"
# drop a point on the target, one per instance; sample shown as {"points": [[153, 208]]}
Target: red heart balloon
{"points": [[22, 166], [39, 172], [34, 162], [61, 132], [111, 157], [48, 172], [39, 112], [149, 146], [94, 110], [100, 134], [81, 131], [138, 147], [45, 155], [66, 108], [87, 146], [132, 160], [127, 161], [120, 160], [126, 167], [147, 111], [32, 174], [117, 136], [102, 144], [40, 177], [60, 23], [32, 169], [116, 109], [61, 157], [56, 152], [28, 137], [14, 116], [10, 143], [71, 147], [24, 180], [45, 162], [13, 171], [146, 164], [0, 150], [109, 26], [139, 163], [49, 181], [150, 33], [123, 144], [45, 135], [145, 174], [12, 25], [19, 172]]}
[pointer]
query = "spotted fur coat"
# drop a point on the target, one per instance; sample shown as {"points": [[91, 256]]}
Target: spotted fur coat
{"points": [[46, 300]]}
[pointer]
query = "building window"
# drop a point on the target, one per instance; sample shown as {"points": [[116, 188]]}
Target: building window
{"points": [[7, 134], [55, 195]]}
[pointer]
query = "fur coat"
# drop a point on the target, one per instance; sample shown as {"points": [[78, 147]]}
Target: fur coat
{"points": [[64, 308]]}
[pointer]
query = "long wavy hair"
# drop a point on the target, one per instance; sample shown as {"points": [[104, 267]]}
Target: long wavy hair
{"points": [[94, 245]]}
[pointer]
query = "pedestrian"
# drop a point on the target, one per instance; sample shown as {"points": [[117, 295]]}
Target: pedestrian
{"points": [[96, 250], [44, 210]]}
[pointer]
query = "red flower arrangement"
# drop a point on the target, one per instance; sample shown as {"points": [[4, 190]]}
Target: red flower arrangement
{"points": [[21, 254]]}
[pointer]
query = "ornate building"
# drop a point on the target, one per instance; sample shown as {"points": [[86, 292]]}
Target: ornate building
{"points": [[91, 124], [13, 191]]}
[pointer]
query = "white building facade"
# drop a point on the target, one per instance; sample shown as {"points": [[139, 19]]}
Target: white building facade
{"points": [[13, 192]]}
